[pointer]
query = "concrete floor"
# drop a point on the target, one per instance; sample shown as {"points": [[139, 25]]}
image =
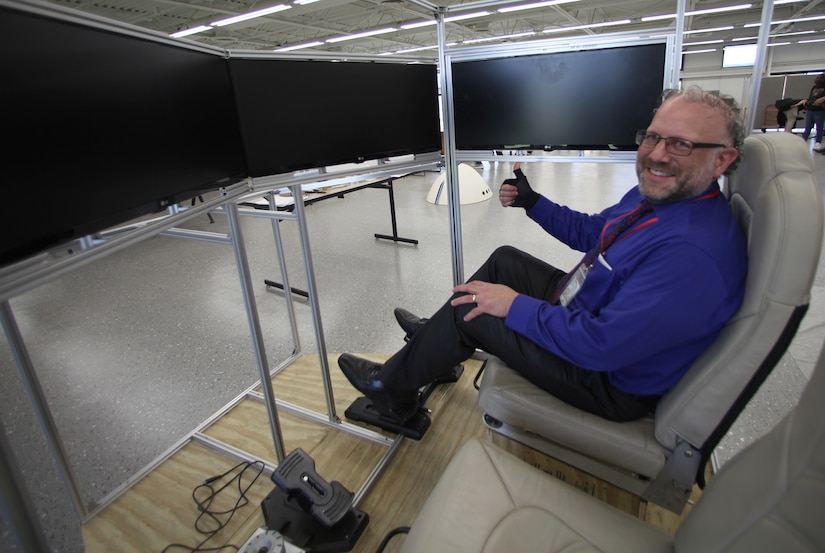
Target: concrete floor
{"points": [[136, 350]]}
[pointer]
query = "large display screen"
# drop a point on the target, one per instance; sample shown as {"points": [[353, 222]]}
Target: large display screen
{"points": [[102, 127], [590, 99], [305, 114]]}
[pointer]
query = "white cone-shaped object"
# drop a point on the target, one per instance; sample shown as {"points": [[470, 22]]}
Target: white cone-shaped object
{"points": [[471, 187]]}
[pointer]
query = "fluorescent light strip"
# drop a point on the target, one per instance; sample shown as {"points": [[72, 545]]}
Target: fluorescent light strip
{"points": [[590, 26], [503, 37], [535, 5], [465, 16], [192, 31], [418, 24], [703, 42], [362, 35], [811, 41], [417, 49], [685, 52], [250, 15], [740, 39], [304, 2], [299, 46], [711, 30], [698, 12], [783, 21]]}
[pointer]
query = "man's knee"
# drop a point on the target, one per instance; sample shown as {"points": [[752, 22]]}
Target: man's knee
{"points": [[504, 255]]}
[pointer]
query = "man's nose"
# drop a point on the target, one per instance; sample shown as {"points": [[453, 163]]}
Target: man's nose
{"points": [[659, 151]]}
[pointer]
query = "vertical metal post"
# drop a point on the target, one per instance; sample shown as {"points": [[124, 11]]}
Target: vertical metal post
{"points": [[453, 199], [759, 63], [41, 407], [312, 290], [255, 326], [279, 248], [676, 58], [15, 507]]}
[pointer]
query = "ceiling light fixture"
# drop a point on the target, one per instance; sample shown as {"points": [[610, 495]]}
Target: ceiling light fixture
{"points": [[783, 21], [418, 24], [503, 37], [534, 5], [588, 26], [361, 35], [250, 15], [192, 31], [465, 16], [427, 23], [719, 41], [774, 35], [299, 46], [712, 30], [698, 12]]}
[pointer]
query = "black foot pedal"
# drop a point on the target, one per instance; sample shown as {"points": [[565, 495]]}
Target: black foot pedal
{"points": [[310, 512], [283, 515], [327, 502], [450, 376], [363, 410]]}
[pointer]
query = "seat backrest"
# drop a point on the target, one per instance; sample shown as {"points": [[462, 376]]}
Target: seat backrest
{"points": [[775, 196], [770, 497]]}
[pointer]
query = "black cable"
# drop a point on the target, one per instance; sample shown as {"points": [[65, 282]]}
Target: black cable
{"points": [[391, 534], [213, 517]]}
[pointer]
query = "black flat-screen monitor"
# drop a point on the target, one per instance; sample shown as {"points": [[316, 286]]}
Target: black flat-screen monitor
{"points": [[102, 127], [305, 114], [589, 99]]}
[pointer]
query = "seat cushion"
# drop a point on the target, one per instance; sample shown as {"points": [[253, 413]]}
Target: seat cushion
{"points": [[487, 500], [507, 396]]}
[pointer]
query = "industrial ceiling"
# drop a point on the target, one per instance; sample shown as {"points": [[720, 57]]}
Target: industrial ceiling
{"points": [[406, 27]]}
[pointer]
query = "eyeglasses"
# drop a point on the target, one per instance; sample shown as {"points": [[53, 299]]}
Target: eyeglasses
{"points": [[673, 145]]}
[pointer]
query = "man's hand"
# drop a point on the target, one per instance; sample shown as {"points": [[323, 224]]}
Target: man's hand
{"points": [[517, 192], [493, 299]]}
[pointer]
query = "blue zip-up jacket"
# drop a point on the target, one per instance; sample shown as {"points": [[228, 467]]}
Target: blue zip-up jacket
{"points": [[669, 284]]}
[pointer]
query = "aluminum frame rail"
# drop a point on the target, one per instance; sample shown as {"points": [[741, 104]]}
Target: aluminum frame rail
{"points": [[42, 268]]}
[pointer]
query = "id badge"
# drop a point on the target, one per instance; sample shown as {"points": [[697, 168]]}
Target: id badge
{"points": [[573, 285]]}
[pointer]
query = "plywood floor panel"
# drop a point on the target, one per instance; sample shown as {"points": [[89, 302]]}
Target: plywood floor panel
{"points": [[159, 509]]}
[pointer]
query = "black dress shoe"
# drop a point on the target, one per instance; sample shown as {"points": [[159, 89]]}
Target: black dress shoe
{"points": [[364, 375], [408, 322]]}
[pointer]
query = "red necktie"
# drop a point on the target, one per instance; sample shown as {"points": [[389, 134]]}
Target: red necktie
{"points": [[621, 224]]}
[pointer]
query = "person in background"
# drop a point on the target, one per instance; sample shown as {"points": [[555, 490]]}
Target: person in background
{"points": [[665, 270], [814, 107]]}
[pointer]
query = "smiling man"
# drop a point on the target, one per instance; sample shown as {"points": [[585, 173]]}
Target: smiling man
{"points": [[664, 270]]}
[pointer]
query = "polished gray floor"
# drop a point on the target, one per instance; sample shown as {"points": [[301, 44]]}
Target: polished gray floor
{"points": [[136, 350]]}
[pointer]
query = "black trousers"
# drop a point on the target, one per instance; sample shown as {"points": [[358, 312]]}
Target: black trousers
{"points": [[446, 340]]}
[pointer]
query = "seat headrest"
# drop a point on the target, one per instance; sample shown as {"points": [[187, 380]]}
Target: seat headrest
{"points": [[775, 196]]}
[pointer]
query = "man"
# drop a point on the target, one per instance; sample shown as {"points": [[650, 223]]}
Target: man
{"points": [[814, 107], [613, 335]]}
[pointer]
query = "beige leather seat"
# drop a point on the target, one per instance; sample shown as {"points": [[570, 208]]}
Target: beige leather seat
{"points": [[770, 498], [776, 198]]}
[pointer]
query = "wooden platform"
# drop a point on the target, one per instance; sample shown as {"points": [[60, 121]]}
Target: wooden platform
{"points": [[159, 510]]}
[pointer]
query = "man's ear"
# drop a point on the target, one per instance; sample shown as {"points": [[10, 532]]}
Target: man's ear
{"points": [[724, 160]]}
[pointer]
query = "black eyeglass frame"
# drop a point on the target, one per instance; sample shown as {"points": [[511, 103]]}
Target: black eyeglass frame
{"points": [[642, 135]]}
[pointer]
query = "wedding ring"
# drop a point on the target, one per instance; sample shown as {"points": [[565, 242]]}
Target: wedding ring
{"points": [[474, 298]]}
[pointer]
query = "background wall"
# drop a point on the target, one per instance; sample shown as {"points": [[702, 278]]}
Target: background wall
{"points": [[705, 70]]}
